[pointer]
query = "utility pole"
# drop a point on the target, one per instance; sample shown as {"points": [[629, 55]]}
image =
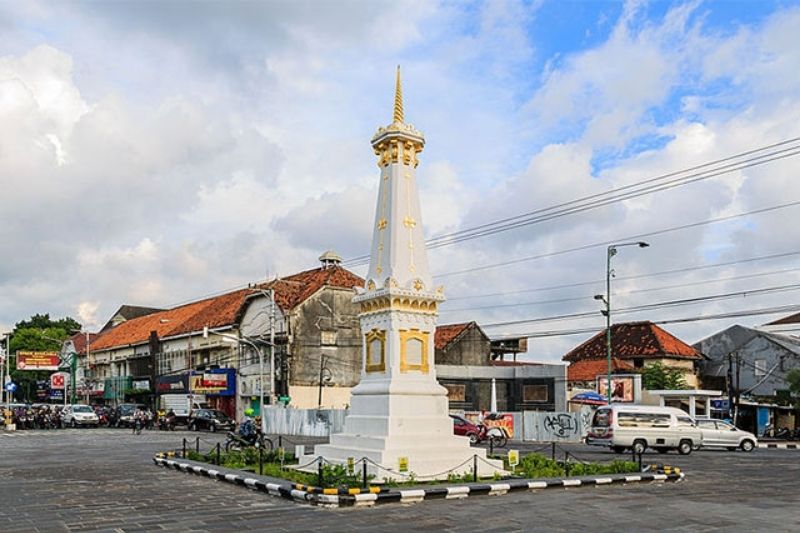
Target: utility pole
{"points": [[730, 387], [738, 389], [272, 396], [321, 372]]}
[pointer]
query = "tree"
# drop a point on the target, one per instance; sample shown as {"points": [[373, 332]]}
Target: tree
{"points": [[793, 380], [40, 333], [656, 376]]}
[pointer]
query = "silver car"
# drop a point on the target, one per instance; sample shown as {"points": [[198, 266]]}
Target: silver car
{"points": [[726, 435], [79, 415]]}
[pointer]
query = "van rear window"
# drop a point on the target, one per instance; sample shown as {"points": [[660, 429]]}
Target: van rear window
{"points": [[601, 418]]}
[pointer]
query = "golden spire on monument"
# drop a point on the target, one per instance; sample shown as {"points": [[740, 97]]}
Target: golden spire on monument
{"points": [[398, 99]]}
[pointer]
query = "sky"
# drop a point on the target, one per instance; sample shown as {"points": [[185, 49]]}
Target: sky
{"points": [[156, 153]]}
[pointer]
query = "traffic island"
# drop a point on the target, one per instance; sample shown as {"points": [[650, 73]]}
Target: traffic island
{"points": [[378, 495]]}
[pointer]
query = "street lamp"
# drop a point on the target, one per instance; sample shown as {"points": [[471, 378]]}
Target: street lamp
{"points": [[611, 252]]}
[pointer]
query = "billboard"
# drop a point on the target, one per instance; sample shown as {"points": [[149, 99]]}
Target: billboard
{"points": [[220, 382], [622, 388], [38, 360]]}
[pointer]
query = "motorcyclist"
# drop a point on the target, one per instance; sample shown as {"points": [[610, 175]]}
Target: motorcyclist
{"points": [[247, 429]]}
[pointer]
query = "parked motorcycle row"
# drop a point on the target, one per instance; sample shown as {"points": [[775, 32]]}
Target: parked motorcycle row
{"points": [[49, 416], [781, 433]]}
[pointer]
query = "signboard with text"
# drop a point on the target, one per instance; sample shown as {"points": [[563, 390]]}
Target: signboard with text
{"points": [[221, 382], [38, 361]]}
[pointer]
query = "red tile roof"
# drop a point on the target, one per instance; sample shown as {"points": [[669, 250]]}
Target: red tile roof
{"points": [[212, 312], [448, 333], [791, 319], [79, 341], [223, 310], [588, 370], [292, 290], [634, 340]]}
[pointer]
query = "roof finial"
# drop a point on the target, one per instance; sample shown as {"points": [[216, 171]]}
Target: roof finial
{"points": [[398, 99]]}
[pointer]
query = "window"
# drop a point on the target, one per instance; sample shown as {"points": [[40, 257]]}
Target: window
{"points": [[643, 420], [602, 418], [414, 350], [707, 424], [535, 393], [375, 342], [685, 421], [760, 367], [328, 338]]}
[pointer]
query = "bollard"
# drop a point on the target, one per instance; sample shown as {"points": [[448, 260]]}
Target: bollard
{"points": [[184, 448], [475, 468], [219, 448], [260, 460], [566, 463], [319, 472], [280, 441], [553, 451], [197, 444], [491, 446], [364, 473], [640, 462]]}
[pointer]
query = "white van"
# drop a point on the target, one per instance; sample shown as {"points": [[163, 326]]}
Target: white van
{"points": [[638, 427]]}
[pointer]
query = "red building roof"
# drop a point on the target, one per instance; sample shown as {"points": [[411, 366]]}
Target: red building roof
{"points": [[448, 333], [79, 341], [791, 319], [588, 370], [224, 310], [634, 340], [297, 288]]}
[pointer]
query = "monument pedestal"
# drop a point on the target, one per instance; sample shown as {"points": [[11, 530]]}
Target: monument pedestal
{"points": [[410, 422]]}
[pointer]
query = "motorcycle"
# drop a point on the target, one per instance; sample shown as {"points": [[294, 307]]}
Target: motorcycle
{"points": [[166, 423], [496, 436], [237, 442]]}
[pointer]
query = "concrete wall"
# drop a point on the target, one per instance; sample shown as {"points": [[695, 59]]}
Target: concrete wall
{"points": [[304, 422], [472, 348], [307, 397], [328, 315]]}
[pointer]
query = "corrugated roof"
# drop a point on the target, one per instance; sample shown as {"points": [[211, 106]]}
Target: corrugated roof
{"points": [[588, 370], [637, 340]]}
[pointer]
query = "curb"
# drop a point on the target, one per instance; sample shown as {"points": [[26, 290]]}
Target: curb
{"points": [[317, 496], [779, 446]]}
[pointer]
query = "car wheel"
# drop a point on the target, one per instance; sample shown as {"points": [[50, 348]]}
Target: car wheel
{"points": [[618, 449], [473, 438], [213, 428], [639, 446], [747, 445], [72, 424], [662, 450], [685, 447]]}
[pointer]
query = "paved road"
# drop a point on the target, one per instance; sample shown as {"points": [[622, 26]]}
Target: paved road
{"points": [[104, 480]]}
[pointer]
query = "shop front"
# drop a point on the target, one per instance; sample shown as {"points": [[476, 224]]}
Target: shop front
{"points": [[219, 387]]}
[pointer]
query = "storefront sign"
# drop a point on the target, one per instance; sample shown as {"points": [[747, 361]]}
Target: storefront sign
{"points": [[172, 384], [38, 361], [58, 380], [141, 384], [221, 382]]}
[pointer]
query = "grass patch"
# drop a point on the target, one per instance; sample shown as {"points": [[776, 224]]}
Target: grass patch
{"points": [[277, 464]]}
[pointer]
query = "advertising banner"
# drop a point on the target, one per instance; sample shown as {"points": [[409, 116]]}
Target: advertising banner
{"points": [[622, 388], [38, 360], [171, 384], [58, 380], [220, 382], [504, 422]]}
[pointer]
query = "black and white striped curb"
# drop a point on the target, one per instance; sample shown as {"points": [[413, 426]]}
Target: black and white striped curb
{"points": [[289, 492], [779, 446]]}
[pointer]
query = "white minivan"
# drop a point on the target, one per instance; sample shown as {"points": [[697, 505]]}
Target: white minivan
{"points": [[638, 427]]}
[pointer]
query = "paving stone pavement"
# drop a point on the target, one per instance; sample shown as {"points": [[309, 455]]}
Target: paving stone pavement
{"points": [[104, 480]]}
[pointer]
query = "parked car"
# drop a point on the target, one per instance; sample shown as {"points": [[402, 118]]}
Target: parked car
{"points": [[725, 434], [124, 414], [79, 415], [210, 419], [465, 428], [639, 427]]}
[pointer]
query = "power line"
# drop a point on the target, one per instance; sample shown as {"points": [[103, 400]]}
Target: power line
{"points": [[635, 291], [630, 237], [612, 196], [646, 307], [720, 316], [638, 276]]}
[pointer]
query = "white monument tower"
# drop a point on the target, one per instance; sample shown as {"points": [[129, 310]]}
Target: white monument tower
{"points": [[398, 409]]}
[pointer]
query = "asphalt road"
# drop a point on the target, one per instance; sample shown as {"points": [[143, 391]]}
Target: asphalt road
{"points": [[104, 480]]}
